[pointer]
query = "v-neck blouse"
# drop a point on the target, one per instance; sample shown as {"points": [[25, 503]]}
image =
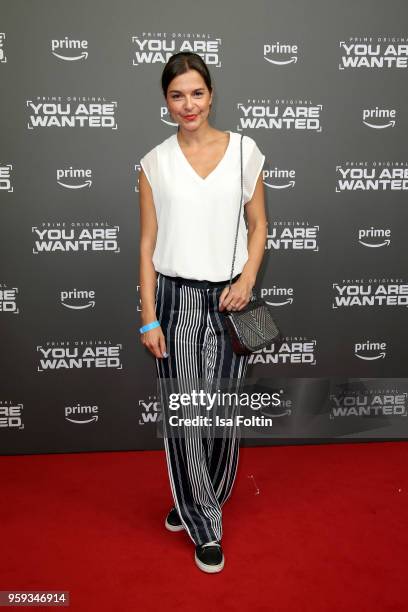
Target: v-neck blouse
{"points": [[197, 217]]}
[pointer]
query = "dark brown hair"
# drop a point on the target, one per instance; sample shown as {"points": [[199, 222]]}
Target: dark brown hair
{"points": [[182, 62]]}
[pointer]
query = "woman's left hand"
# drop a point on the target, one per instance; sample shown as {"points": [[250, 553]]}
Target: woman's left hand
{"points": [[238, 297]]}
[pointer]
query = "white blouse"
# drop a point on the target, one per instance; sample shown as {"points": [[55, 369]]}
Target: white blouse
{"points": [[196, 217]]}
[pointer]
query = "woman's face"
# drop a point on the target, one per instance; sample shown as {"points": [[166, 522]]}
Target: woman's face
{"points": [[188, 100]]}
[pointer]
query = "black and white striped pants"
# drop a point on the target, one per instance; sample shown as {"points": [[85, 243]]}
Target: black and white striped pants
{"points": [[201, 469]]}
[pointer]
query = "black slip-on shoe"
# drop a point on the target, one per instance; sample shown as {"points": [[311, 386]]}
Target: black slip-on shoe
{"points": [[173, 522], [209, 557]]}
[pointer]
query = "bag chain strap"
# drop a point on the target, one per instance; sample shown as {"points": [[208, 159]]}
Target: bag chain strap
{"points": [[239, 218]]}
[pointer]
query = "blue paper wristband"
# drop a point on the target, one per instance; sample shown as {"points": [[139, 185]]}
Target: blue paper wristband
{"points": [[146, 328]]}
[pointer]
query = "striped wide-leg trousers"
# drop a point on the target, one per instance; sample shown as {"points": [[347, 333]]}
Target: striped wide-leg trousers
{"points": [[202, 468]]}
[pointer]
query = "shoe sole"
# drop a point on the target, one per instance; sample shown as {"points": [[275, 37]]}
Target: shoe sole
{"points": [[209, 569], [173, 527]]}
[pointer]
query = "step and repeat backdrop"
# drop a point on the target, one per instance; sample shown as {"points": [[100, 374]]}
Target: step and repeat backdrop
{"points": [[322, 87]]}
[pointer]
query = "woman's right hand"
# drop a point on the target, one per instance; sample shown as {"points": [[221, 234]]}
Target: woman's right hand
{"points": [[153, 339]]}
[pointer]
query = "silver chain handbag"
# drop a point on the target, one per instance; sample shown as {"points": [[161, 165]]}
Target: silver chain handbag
{"points": [[252, 327]]}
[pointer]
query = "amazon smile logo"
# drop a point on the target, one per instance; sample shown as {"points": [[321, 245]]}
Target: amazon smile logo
{"points": [[83, 176], [70, 299], [81, 414], [277, 296], [59, 47], [275, 53], [385, 116], [374, 238], [377, 350], [276, 178]]}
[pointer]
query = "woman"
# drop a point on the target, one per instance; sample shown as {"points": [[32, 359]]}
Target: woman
{"points": [[190, 191]]}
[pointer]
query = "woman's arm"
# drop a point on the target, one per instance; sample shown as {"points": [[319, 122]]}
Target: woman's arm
{"points": [[257, 232], [148, 236], [240, 293]]}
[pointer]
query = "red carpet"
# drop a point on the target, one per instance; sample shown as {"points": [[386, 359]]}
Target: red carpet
{"points": [[326, 532]]}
